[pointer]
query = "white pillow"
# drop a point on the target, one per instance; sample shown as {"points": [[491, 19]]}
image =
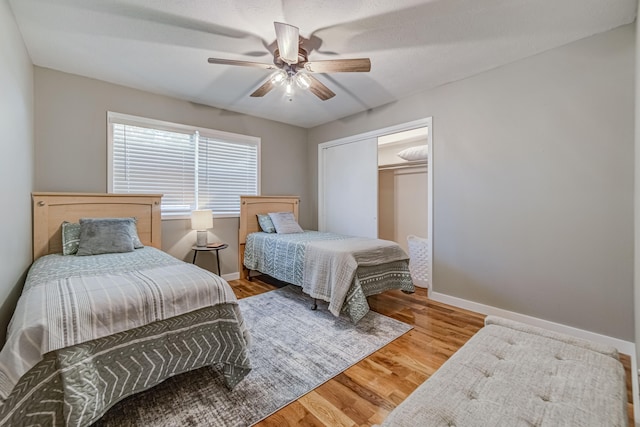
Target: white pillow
{"points": [[285, 223], [419, 152]]}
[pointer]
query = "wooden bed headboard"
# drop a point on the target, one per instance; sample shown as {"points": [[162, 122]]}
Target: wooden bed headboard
{"points": [[51, 209], [250, 207]]}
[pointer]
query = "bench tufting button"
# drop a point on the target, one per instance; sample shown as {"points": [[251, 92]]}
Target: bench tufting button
{"points": [[448, 421]]}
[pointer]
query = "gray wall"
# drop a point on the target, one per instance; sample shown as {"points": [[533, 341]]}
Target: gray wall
{"points": [[71, 148], [637, 207], [533, 185], [16, 163]]}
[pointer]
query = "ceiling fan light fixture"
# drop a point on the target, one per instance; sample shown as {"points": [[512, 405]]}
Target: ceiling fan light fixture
{"points": [[289, 87], [279, 77], [303, 81]]}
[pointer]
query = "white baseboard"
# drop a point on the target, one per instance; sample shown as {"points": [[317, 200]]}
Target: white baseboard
{"points": [[231, 276], [625, 347]]}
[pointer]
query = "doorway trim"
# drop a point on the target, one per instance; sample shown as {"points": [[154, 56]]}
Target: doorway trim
{"points": [[426, 122]]}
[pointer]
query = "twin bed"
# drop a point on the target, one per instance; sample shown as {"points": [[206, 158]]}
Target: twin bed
{"points": [[342, 270], [89, 331]]}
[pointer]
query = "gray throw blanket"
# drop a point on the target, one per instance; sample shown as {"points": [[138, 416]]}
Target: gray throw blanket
{"points": [[328, 265]]}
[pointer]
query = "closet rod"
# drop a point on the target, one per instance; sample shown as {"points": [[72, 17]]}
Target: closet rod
{"points": [[403, 165]]}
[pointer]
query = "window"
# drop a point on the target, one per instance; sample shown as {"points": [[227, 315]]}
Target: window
{"points": [[194, 168]]}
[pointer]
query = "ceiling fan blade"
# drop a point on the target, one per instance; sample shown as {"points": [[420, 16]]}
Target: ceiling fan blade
{"points": [[242, 63], [320, 90], [288, 39], [339, 66], [263, 90]]}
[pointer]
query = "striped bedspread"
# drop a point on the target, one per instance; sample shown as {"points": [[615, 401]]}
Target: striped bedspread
{"points": [[282, 255], [69, 300], [342, 270]]}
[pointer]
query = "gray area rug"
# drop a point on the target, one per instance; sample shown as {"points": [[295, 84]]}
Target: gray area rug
{"points": [[294, 350]]}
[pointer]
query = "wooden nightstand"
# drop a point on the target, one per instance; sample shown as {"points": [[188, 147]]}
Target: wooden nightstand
{"points": [[197, 249]]}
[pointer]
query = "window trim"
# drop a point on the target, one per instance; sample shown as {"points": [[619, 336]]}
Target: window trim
{"points": [[132, 120]]}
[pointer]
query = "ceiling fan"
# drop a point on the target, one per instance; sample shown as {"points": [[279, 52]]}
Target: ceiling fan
{"points": [[293, 67]]}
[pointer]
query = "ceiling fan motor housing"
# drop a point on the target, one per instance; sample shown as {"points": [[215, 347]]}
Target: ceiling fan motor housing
{"points": [[280, 63]]}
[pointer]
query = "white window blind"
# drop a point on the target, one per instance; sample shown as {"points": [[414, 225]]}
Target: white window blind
{"points": [[226, 170], [193, 168]]}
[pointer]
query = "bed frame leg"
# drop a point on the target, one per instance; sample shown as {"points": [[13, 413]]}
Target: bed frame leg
{"points": [[315, 304]]}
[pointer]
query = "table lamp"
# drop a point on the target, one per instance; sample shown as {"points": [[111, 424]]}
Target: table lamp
{"points": [[201, 220]]}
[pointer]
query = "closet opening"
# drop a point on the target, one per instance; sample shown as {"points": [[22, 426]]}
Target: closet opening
{"points": [[380, 184], [403, 204], [403, 185]]}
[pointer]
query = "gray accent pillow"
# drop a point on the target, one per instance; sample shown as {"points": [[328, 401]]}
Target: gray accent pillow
{"points": [[285, 223], [105, 236], [133, 230], [70, 237], [266, 224]]}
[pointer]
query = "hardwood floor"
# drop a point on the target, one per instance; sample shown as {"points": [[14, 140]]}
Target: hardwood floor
{"points": [[365, 393]]}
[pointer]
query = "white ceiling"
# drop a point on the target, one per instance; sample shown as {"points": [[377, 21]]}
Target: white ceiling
{"points": [[162, 46]]}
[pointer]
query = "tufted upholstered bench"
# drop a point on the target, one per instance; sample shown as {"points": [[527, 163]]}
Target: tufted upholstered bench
{"points": [[511, 374]]}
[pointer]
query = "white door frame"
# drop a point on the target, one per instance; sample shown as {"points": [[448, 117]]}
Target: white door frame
{"points": [[420, 123]]}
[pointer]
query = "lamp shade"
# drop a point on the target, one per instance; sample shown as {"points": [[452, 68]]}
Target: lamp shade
{"points": [[201, 219]]}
